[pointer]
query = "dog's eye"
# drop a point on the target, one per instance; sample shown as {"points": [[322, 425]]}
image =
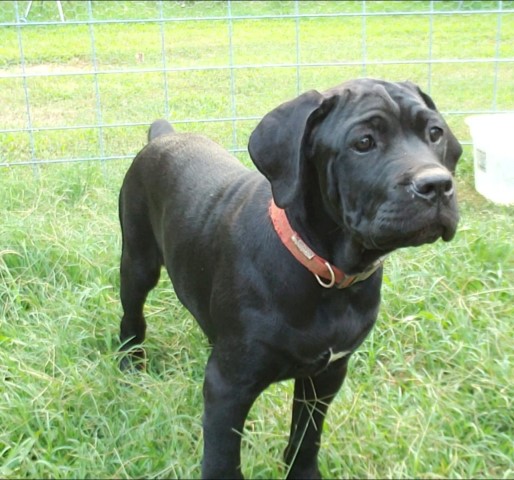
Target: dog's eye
{"points": [[435, 134], [364, 144]]}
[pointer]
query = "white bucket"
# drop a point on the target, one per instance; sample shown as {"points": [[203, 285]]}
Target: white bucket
{"points": [[493, 152]]}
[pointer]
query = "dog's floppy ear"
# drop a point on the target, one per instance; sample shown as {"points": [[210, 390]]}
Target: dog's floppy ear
{"points": [[453, 149], [276, 146], [426, 98]]}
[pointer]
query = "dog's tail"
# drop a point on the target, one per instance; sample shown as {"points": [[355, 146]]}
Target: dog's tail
{"points": [[158, 128]]}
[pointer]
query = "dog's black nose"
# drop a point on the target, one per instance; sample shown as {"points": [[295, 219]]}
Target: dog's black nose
{"points": [[433, 183]]}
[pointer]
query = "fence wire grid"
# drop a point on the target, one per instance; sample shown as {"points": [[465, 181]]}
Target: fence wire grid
{"points": [[82, 81]]}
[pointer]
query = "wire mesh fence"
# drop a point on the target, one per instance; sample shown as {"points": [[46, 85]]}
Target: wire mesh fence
{"points": [[81, 81]]}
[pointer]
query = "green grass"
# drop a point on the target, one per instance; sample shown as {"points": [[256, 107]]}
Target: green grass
{"points": [[430, 392]]}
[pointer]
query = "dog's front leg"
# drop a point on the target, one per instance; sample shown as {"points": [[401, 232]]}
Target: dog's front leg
{"points": [[229, 393], [312, 396]]}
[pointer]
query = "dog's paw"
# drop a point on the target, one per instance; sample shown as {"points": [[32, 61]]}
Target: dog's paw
{"points": [[133, 361]]}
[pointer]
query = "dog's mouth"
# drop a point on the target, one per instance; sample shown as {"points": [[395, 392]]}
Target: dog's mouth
{"points": [[391, 233], [430, 234]]}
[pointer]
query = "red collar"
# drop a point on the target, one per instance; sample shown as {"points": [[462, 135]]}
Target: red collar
{"points": [[321, 268]]}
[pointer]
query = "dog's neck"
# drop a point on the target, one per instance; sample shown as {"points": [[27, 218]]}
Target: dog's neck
{"points": [[326, 273], [335, 242]]}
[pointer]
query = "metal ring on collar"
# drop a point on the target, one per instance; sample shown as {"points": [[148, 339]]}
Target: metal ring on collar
{"points": [[332, 277]]}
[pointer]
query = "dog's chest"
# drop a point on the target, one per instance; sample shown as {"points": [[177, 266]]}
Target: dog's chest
{"points": [[332, 335], [334, 356]]}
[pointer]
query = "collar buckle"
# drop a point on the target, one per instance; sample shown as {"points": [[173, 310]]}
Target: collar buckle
{"points": [[332, 277]]}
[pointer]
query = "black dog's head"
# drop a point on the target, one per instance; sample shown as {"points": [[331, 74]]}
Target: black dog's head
{"points": [[383, 158]]}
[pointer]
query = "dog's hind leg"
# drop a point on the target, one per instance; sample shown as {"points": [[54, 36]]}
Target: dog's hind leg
{"points": [[139, 272], [312, 397]]}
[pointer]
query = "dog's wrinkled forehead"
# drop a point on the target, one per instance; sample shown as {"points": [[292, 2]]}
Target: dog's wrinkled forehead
{"points": [[398, 99]]}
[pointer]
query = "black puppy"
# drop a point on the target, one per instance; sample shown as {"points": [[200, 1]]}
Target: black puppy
{"points": [[282, 267]]}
